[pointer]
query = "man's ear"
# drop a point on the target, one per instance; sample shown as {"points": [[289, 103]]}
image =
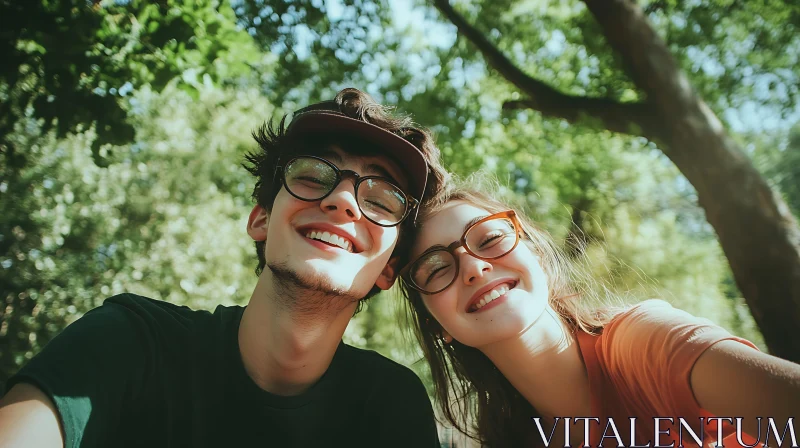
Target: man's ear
{"points": [[388, 275], [257, 223]]}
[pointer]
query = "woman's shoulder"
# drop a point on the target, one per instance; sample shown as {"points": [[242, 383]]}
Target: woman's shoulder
{"points": [[654, 313], [655, 327]]}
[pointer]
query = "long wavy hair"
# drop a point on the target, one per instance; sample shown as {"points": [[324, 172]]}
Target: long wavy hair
{"points": [[472, 393]]}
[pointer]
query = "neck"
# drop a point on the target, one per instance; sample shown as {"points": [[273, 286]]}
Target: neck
{"points": [[285, 350], [545, 366]]}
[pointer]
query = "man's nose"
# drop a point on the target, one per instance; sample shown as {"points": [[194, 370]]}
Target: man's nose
{"points": [[342, 201]]}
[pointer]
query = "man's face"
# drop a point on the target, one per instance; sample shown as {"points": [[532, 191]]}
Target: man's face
{"points": [[300, 240]]}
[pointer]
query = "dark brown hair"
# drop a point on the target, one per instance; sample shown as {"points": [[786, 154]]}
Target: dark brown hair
{"points": [[471, 392], [275, 145]]}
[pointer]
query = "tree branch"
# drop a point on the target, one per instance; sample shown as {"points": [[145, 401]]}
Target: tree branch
{"points": [[494, 56], [627, 118]]}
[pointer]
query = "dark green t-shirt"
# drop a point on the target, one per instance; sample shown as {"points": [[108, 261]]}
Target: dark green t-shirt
{"points": [[145, 373]]}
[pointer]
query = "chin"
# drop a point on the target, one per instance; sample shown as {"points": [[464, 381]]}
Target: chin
{"points": [[511, 325], [531, 313], [338, 273]]}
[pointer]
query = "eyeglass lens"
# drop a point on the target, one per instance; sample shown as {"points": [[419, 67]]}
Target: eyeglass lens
{"points": [[312, 179], [488, 239]]}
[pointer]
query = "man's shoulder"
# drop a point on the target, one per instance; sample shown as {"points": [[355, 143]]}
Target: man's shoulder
{"points": [[135, 302], [142, 305], [373, 361], [165, 317]]}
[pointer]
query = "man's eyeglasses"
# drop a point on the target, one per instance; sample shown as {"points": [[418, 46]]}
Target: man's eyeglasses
{"points": [[488, 239], [311, 178]]}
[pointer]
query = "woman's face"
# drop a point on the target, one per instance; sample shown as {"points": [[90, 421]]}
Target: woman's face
{"points": [[517, 277]]}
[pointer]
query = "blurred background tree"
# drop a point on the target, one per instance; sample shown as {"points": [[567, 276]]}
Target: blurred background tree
{"points": [[123, 123], [69, 63]]}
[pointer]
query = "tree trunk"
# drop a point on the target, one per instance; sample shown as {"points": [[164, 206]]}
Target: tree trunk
{"points": [[757, 232]]}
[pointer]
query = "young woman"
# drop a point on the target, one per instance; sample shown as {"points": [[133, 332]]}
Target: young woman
{"points": [[517, 336]]}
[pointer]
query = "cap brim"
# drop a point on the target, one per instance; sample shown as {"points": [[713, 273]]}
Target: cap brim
{"points": [[406, 154]]}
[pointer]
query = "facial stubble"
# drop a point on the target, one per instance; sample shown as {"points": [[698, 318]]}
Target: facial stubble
{"points": [[309, 294]]}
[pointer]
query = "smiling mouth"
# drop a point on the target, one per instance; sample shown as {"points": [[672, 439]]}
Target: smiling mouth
{"points": [[497, 292], [330, 239]]}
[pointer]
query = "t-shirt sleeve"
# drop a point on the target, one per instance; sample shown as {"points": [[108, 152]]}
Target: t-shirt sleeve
{"points": [[650, 350], [91, 371], [403, 413]]}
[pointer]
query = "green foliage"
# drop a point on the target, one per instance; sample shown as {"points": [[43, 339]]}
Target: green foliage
{"points": [[742, 57], [70, 63], [320, 47], [736, 52], [778, 157]]}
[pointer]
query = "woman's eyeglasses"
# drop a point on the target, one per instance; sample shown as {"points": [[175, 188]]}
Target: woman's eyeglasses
{"points": [[311, 178], [488, 239]]}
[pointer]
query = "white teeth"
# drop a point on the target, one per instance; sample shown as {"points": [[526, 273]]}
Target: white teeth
{"points": [[491, 295], [339, 241], [330, 238]]}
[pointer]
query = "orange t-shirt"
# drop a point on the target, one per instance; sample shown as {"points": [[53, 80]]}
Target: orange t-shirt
{"points": [[640, 367]]}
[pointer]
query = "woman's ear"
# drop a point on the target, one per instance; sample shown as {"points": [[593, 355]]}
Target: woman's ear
{"points": [[442, 334], [445, 336], [257, 223]]}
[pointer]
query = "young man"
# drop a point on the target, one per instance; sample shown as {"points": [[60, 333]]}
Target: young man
{"points": [[334, 191]]}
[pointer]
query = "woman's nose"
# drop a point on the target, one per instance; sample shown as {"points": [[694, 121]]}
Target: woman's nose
{"points": [[473, 269]]}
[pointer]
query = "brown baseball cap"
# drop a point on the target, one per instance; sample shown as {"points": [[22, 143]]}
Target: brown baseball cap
{"points": [[328, 117]]}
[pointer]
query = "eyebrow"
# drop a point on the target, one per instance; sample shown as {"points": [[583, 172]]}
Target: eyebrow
{"points": [[469, 224], [333, 156], [383, 172], [472, 222]]}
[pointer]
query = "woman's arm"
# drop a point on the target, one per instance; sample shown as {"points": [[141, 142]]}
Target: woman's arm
{"points": [[731, 379]]}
